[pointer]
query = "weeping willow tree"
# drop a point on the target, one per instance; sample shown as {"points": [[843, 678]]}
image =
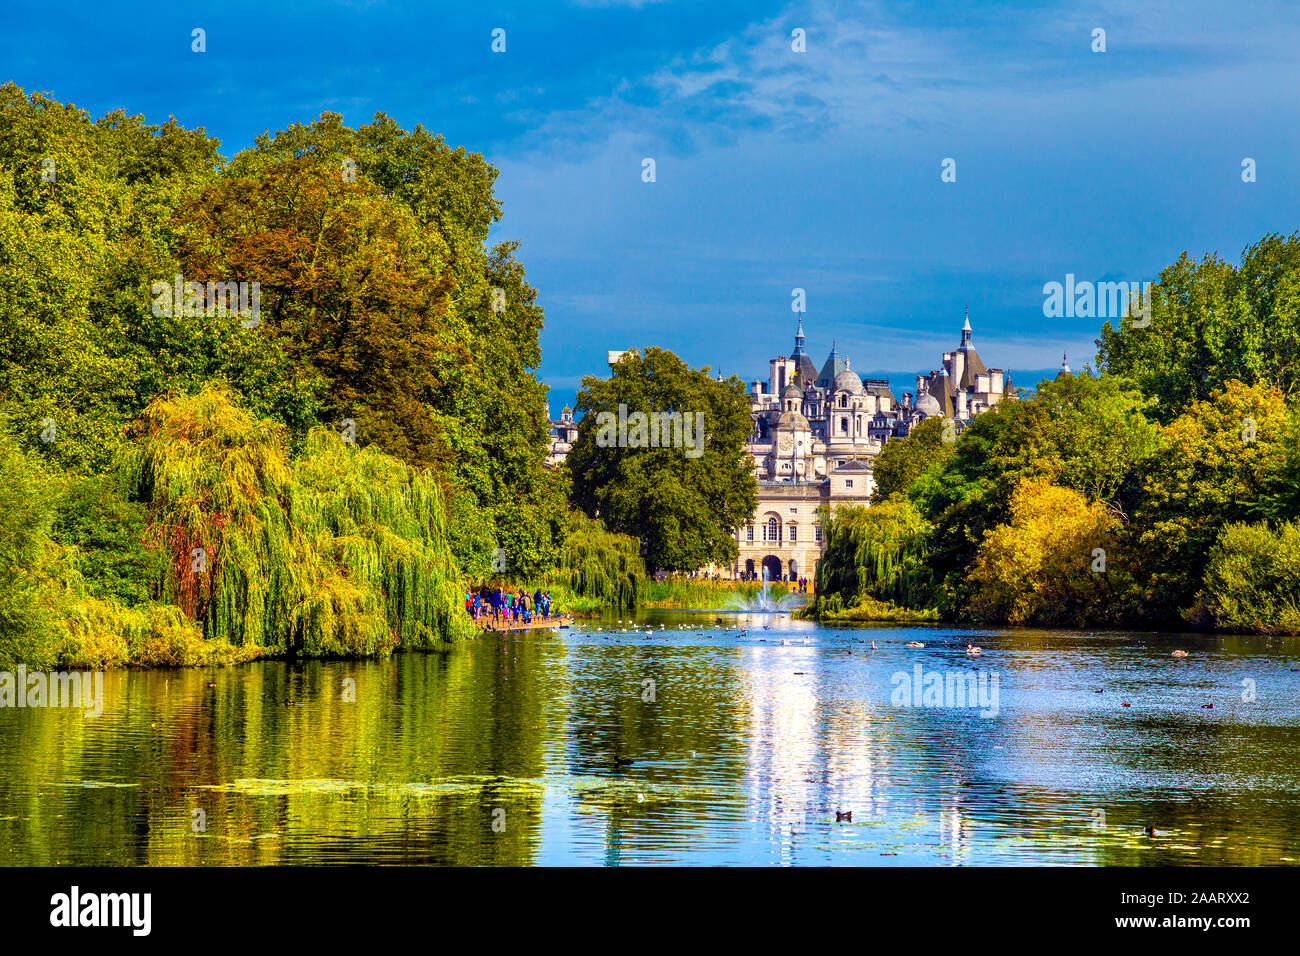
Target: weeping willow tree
{"points": [[875, 553], [596, 563], [342, 552]]}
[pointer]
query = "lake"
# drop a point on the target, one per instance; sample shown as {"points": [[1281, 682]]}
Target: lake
{"points": [[744, 741]]}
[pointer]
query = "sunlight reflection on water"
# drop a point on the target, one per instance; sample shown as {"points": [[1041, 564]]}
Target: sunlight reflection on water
{"points": [[705, 742]]}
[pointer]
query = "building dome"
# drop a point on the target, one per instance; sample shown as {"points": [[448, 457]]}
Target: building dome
{"points": [[928, 405], [792, 421], [848, 381], [793, 393]]}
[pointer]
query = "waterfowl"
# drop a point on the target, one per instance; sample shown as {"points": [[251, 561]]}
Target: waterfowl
{"points": [[1124, 703], [620, 762], [973, 651], [915, 644], [873, 646], [1207, 707], [1179, 653], [1150, 831], [843, 816], [784, 642]]}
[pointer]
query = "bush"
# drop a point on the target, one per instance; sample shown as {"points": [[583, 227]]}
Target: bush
{"points": [[95, 634], [26, 512], [596, 563], [1041, 566], [106, 534], [1252, 580]]}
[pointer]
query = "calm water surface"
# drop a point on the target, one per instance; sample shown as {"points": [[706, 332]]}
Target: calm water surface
{"points": [[504, 752]]}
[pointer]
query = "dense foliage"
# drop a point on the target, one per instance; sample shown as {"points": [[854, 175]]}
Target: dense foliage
{"points": [[1163, 491], [389, 348], [1211, 323], [595, 563], [683, 502]]}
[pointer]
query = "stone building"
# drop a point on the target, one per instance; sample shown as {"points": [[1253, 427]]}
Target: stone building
{"points": [[815, 437], [564, 432]]}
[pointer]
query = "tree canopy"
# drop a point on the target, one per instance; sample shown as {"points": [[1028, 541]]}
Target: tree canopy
{"points": [[683, 506]]}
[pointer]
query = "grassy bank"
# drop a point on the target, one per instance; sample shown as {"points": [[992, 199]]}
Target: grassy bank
{"points": [[695, 594], [864, 611]]}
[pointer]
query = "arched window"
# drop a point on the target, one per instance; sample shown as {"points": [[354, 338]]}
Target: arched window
{"points": [[773, 529], [844, 426], [844, 401]]}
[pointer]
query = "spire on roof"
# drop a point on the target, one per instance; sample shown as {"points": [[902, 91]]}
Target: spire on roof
{"points": [[1065, 367], [965, 330], [833, 366]]}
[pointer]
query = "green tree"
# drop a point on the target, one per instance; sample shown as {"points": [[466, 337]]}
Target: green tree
{"points": [[1212, 322], [1225, 460], [428, 337], [85, 230], [876, 552], [683, 506], [1087, 433], [901, 462], [1252, 580], [26, 512]]}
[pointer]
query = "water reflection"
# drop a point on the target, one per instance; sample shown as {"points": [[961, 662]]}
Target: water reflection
{"points": [[700, 742]]}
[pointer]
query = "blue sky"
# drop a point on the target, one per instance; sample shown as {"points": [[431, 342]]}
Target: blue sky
{"points": [[775, 169]]}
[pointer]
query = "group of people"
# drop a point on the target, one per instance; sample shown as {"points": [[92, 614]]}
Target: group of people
{"points": [[508, 606]]}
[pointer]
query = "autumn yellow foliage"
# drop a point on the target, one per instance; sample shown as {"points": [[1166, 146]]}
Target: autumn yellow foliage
{"points": [[1054, 562]]}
